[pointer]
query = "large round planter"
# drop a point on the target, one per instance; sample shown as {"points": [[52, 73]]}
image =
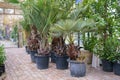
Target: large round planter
{"points": [[116, 68], [53, 57], [2, 69], [42, 62], [61, 62], [107, 66], [77, 69], [32, 55]]}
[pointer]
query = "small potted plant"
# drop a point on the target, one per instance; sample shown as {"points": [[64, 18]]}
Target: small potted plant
{"points": [[42, 57], [2, 60], [33, 43], [61, 56], [77, 61], [54, 43]]}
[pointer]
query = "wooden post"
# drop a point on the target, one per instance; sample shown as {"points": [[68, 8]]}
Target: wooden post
{"points": [[20, 38]]}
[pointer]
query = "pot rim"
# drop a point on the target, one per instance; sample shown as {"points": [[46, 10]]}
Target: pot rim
{"points": [[37, 55], [62, 56], [74, 61]]}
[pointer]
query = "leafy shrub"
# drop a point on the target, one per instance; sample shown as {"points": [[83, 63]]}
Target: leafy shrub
{"points": [[2, 55]]}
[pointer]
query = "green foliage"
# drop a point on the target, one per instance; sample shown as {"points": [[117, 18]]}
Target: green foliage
{"points": [[68, 27], [14, 33], [43, 13], [2, 55], [25, 26], [109, 50], [105, 13], [89, 43], [60, 16], [12, 1]]}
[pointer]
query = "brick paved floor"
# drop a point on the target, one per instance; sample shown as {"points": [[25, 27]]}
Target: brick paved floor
{"points": [[19, 67]]}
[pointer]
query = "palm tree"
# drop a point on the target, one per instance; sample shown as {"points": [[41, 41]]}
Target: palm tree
{"points": [[43, 13], [68, 27]]}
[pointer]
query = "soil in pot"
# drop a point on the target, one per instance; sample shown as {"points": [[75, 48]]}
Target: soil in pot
{"points": [[116, 68], [61, 62], [77, 69], [107, 66], [33, 57], [42, 61], [53, 57]]}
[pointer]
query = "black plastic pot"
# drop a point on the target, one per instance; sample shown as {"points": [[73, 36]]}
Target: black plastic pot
{"points": [[77, 69], [32, 54], [2, 69], [0, 73], [107, 66], [53, 57], [27, 49], [42, 62], [61, 62], [116, 68]]}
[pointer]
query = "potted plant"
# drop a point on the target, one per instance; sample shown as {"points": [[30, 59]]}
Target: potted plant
{"points": [[68, 27], [116, 56], [116, 67], [54, 43], [44, 13], [64, 29], [106, 52], [2, 60], [42, 58], [33, 43], [77, 61], [61, 56]]}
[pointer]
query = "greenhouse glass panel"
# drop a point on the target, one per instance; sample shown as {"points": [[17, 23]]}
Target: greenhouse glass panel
{"points": [[1, 10], [9, 11]]}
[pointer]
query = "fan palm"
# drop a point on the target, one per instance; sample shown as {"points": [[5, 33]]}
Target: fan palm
{"points": [[67, 28]]}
